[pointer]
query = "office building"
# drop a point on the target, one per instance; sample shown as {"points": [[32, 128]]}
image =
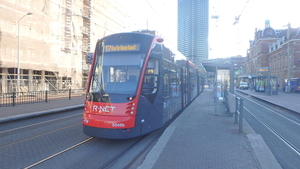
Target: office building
{"points": [[193, 29]]}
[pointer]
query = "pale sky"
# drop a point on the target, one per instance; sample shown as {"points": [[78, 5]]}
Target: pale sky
{"points": [[159, 15], [225, 39]]}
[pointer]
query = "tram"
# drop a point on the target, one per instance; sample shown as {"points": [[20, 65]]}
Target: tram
{"points": [[136, 85]]}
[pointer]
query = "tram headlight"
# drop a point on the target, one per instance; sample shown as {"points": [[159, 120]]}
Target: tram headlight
{"points": [[130, 108], [130, 98], [129, 112], [89, 96]]}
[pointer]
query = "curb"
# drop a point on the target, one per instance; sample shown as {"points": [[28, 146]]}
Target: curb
{"points": [[39, 113]]}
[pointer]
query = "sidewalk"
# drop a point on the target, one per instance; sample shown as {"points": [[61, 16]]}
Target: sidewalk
{"points": [[287, 100], [202, 138], [29, 110]]}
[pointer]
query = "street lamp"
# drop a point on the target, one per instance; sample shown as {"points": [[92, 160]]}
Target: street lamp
{"points": [[18, 78]]}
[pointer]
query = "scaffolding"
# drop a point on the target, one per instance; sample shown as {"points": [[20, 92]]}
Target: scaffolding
{"points": [[86, 39], [33, 80]]}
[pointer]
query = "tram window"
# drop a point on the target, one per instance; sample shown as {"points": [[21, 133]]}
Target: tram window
{"points": [[150, 71], [150, 84], [152, 66], [122, 73], [175, 84], [151, 77], [156, 51], [166, 85]]}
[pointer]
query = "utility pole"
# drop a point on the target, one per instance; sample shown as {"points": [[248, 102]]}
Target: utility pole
{"points": [[269, 77], [288, 59]]}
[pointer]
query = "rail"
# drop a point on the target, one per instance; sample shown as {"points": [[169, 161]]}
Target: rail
{"points": [[239, 113], [18, 98]]}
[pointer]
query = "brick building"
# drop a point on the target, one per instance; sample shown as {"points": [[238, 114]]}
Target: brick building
{"points": [[270, 49]]}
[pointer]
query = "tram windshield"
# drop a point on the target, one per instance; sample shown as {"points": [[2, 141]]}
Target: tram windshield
{"points": [[116, 72]]}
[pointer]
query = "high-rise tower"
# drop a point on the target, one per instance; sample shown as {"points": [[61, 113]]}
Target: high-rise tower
{"points": [[193, 29]]}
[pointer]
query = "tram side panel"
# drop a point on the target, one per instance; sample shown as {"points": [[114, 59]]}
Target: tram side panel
{"points": [[175, 92], [150, 119], [151, 98]]}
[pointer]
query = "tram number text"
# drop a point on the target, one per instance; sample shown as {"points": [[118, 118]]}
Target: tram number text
{"points": [[118, 125]]}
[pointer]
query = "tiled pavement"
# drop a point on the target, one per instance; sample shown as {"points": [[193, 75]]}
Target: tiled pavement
{"points": [[202, 138]]}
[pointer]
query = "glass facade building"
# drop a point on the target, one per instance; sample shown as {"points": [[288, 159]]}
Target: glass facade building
{"points": [[193, 29]]}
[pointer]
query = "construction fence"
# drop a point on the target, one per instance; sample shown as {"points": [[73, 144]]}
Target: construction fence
{"points": [[18, 98]]}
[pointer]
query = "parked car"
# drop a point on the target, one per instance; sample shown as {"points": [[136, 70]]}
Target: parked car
{"points": [[243, 85]]}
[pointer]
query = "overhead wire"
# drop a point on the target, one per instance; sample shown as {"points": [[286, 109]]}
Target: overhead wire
{"points": [[237, 18]]}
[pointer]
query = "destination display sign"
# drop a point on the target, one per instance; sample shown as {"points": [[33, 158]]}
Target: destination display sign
{"points": [[119, 48]]}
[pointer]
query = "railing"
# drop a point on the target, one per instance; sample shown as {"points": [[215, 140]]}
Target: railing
{"points": [[18, 98], [239, 113]]}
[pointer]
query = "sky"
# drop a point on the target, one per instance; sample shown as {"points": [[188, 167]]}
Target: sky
{"points": [[225, 38], [159, 15]]}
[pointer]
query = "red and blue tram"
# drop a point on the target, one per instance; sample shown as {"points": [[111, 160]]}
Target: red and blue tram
{"points": [[136, 85]]}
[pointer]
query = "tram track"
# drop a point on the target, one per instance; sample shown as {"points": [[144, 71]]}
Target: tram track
{"points": [[283, 139], [67, 146], [57, 141], [273, 111], [31, 139], [113, 161], [39, 135], [57, 154], [36, 124], [278, 126], [14, 140]]}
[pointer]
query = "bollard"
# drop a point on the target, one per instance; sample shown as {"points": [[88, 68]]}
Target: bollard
{"points": [[216, 100], [231, 103], [241, 116], [239, 113], [69, 94], [13, 97], [236, 110], [46, 96], [216, 105]]}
